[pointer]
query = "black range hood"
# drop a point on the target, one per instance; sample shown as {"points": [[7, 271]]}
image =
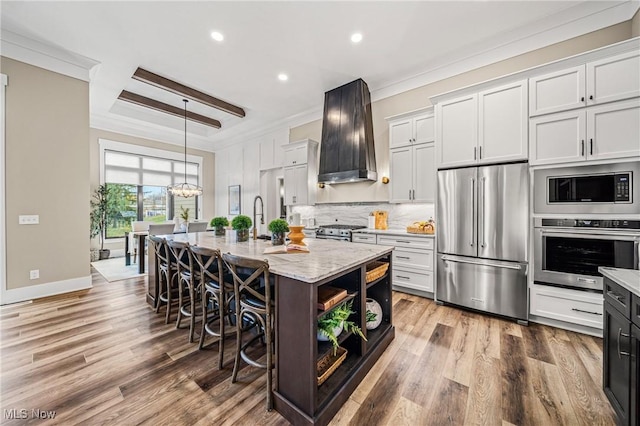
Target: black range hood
{"points": [[347, 153]]}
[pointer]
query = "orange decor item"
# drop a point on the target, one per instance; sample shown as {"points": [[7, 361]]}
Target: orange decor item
{"points": [[381, 219], [296, 235]]}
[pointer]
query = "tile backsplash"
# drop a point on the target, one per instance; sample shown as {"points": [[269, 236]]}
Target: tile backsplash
{"points": [[400, 215]]}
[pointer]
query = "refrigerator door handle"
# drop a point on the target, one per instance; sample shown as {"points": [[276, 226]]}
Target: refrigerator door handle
{"points": [[481, 263], [483, 196], [473, 203]]}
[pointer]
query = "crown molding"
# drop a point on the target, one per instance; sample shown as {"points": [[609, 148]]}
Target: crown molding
{"points": [[33, 52], [545, 32]]}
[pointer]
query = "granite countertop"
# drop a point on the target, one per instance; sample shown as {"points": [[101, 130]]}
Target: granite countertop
{"points": [[627, 278], [399, 232], [325, 258]]}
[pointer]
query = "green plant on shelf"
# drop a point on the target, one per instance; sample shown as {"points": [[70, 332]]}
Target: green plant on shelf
{"points": [[371, 316], [337, 319]]}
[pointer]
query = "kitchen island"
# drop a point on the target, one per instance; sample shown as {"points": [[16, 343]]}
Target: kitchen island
{"points": [[297, 395]]}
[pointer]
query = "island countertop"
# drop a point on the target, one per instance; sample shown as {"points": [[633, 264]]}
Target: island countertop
{"points": [[325, 258], [627, 278]]}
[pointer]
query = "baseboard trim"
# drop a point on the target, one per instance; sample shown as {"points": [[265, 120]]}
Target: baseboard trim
{"points": [[43, 290], [597, 332]]}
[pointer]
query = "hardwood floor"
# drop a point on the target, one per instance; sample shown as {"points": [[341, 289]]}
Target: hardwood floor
{"points": [[104, 357]]}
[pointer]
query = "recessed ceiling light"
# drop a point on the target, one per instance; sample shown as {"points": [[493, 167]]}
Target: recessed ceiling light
{"points": [[283, 77], [217, 36], [356, 37]]}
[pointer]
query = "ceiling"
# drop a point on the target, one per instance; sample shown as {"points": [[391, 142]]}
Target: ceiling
{"points": [[404, 43]]}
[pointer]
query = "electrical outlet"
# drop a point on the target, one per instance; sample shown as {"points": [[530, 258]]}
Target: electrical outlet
{"points": [[34, 274], [28, 219]]}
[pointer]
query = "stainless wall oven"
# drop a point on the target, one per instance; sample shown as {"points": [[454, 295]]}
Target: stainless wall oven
{"points": [[569, 251], [608, 189]]}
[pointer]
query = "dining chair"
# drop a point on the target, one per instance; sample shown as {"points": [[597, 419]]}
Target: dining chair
{"points": [[255, 309], [167, 273], [161, 228], [136, 226], [217, 297], [197, 226], [188, 285]]}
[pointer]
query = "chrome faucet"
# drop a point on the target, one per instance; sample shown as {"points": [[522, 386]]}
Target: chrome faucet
{"points": [[255, 227]]}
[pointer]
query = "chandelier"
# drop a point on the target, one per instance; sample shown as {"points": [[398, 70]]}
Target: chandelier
{"points": [[185, 189]]}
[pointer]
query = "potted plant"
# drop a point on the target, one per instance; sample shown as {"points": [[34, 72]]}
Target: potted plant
{"points": [[219, 223], [103, 209], [241, 224], [278, 227], [331, 325]]}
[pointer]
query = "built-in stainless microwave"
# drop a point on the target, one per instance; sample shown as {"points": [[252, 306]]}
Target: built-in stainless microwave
{"points": [[610, 189]]}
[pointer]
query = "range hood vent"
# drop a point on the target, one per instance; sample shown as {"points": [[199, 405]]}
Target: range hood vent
{"points": [[347, 152]]}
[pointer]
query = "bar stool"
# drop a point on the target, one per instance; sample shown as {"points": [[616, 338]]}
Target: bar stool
{"points": [[217, 291], [167, 273], [255, 308], [188, 285]]}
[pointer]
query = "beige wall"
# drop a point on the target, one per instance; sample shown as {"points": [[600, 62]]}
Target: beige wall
{"points": [[47, 169], [635, 25], [419, 98], [208, 167]]}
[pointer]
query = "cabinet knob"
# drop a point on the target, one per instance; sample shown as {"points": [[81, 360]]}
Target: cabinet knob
{"points": [[590, 97], [582, 99]]}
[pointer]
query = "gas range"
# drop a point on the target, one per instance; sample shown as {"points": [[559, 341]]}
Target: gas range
{"points": [[336, 232]]}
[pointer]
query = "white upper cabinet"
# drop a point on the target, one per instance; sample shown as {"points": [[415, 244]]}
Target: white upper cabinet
{"points": [[485, 127], [613, 130], [409, 130], [557, 91], [502, 122], [412, 157], [296, 155], [457, 131], [300, 172], [602, 132], [605, 80], [613, 79]]}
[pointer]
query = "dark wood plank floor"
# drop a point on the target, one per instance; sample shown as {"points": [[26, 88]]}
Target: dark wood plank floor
{"points": [[102, 356]]}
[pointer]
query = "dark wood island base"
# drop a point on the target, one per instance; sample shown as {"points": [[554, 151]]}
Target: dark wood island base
{"points": [[298, 397]]}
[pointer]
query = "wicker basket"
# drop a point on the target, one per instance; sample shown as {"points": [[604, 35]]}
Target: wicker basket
{"points": [[375, 270], [329, 363]]}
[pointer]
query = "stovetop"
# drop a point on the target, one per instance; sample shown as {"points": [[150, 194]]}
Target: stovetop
{"points": [[341, 226]]}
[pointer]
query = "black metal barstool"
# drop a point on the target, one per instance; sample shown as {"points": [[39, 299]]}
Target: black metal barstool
{"points": [[255, 309], [217, 297], [188, 285], [167, 273]]}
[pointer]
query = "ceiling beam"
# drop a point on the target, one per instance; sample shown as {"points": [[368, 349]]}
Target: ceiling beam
{"points": [[180, 89], [169, 109]]}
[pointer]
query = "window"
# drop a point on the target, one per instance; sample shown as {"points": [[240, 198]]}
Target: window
{"points": [[139, 177]]}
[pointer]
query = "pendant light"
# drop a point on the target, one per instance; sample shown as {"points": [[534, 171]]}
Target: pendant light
{"points": [[185, 189]]}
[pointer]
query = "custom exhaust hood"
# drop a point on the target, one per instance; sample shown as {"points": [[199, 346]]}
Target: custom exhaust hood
{"points": [[347, 152]]}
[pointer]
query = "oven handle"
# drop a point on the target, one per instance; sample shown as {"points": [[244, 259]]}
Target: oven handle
{"points": [[601, 235]]}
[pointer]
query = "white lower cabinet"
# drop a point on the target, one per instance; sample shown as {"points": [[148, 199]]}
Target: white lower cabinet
{"points": [[363, 238], [562, 304], [413, 260]]}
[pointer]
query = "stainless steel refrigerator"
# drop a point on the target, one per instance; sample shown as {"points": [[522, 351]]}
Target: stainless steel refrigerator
{"points": [[482, 217]]}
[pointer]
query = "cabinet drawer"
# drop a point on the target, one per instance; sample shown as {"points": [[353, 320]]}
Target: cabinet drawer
{"points": [[413, 280], [618, 296], [414, 242], [363, 238], [414, 258], [567, 305]]}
